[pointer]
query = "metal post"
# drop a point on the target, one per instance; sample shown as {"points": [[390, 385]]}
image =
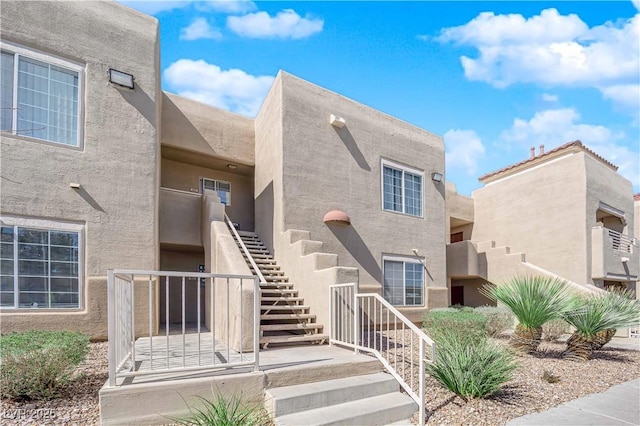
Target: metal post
{"points": [[356, 323], [421, 390], [111, 308], [256, 324]]}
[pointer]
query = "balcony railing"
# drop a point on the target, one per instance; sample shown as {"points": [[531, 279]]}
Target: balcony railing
{"points": [[137, 345], [621, 242], [367, 322]]}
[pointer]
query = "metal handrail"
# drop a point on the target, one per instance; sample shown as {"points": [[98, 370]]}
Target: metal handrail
{"points": [[348, 329], [245, 250], [621, 241]]}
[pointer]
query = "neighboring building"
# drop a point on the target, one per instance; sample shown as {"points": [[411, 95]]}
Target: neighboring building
{"points": [[97, 176], [565, 212]]}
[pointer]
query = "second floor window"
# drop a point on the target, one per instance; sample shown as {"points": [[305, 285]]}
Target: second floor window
{"points": [[401, 189], [40, 96], [223, 189]]}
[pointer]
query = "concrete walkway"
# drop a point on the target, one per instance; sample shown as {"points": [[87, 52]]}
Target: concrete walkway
{"points": [[619, 405]]}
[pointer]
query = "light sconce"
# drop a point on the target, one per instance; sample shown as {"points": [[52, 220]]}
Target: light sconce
{"points": [[231, 166], [625, 260], [337, 217], [74, 185], [337, 122], [121, 78], [436, 177]]}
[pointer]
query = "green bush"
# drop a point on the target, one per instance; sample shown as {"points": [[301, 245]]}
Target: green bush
{"points": [[36, 364], [471, 370], [466, 325], [223, 411], [499, 319]]}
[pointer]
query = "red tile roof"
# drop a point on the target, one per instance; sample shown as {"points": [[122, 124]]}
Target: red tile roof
{"points": [[636, 197], [553, 151]]}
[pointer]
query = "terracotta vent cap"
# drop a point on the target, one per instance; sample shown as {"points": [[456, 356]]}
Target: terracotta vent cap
{"points": [[337, 216]]}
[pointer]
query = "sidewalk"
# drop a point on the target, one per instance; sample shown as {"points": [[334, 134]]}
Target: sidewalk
{"points": [[619, 405]]}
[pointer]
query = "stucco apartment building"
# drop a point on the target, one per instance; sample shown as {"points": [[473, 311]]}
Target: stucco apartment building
{"points": [[97, 175]]}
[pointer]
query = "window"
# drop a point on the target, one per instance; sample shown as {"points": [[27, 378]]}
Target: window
{"points": [[39, 267], [401, 189], [223, 189], [40, 96], [403, 282]]}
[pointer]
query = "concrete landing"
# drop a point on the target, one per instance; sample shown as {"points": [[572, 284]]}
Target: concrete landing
{"points": [[620, 405], [149, 399]]}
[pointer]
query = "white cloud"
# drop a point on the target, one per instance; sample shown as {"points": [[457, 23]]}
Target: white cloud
{"points": [[200, 29], [550, 49], [548, 97], [286, 24], [625, 95], [233, 89], [636, 3], [464, 150], [555, 127]]}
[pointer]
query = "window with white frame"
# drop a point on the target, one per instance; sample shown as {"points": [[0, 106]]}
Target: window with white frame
{"points": [[40, 267], [401, 189], [403, 281], [223, 189], [40, 95]]}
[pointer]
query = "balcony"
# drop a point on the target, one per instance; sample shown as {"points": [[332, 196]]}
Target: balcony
{"points": [[180, 218], [463, 261], [614, 256]]}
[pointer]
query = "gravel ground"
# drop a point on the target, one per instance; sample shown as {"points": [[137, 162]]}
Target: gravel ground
{"points": [[526, 393], [78, 402]]}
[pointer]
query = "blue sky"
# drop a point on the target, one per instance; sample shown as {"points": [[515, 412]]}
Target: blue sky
{"points": [[492, 78]]}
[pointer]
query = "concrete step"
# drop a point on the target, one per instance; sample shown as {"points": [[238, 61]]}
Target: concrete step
{"points": [[287, 317], [293, 399], [273, 278], [279, 291], [247, 234], [297, 326], [283, 299], [276, 286], [293, 338], [376, 410], [284, 307]]}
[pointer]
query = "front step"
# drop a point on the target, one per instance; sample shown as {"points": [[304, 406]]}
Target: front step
{"points": [[372, 399], [293, 338]]}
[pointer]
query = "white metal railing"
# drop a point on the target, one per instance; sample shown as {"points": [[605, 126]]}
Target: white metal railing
{"points": [[367, 322], [621, 242], [245, 250], [137, 345]]}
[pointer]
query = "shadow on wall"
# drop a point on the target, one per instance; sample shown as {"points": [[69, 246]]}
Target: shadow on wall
{"points": [[138, 99], [352, 146], [89, 199], [264, 218], [355, 245], [176, 127]]}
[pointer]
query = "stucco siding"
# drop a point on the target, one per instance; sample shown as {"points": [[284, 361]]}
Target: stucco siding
{"points": [[327, 169], [541, 212]]}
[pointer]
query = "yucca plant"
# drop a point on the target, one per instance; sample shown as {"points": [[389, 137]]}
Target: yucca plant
{"points": [[534, 300], [597, 320], [223, 411]]}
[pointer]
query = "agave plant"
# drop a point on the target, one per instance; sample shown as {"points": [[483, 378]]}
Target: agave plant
{"points": [[534, 300], [597, 320]]}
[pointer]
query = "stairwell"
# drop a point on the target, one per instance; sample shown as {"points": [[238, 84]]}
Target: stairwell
{"points": [[284, 318]]}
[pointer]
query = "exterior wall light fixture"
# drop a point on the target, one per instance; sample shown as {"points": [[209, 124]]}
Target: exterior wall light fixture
{"points": [[337, 217], [121, 78], [336, 121], [231, 166], [436, 177]]}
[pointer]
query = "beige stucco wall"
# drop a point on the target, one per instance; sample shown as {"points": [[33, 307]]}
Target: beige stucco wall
{"points": [[324, 168], [206, 130], [186, 177], [471, 292], [117, 164], [606, 186], [541, 212]]}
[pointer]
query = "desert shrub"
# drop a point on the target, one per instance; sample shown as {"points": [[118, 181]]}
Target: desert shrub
{"points": [[223, 411], [462, 308], [554, 329], [36, 364], [466, 325], [499, 319], [471, 369]]}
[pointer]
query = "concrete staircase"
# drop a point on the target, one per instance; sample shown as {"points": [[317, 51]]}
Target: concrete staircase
{"points": [[284, 318], [372, 399]]}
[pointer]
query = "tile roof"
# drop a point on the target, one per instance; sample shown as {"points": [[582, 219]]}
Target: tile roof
{"points": [[636, 197], [566, 146]]}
